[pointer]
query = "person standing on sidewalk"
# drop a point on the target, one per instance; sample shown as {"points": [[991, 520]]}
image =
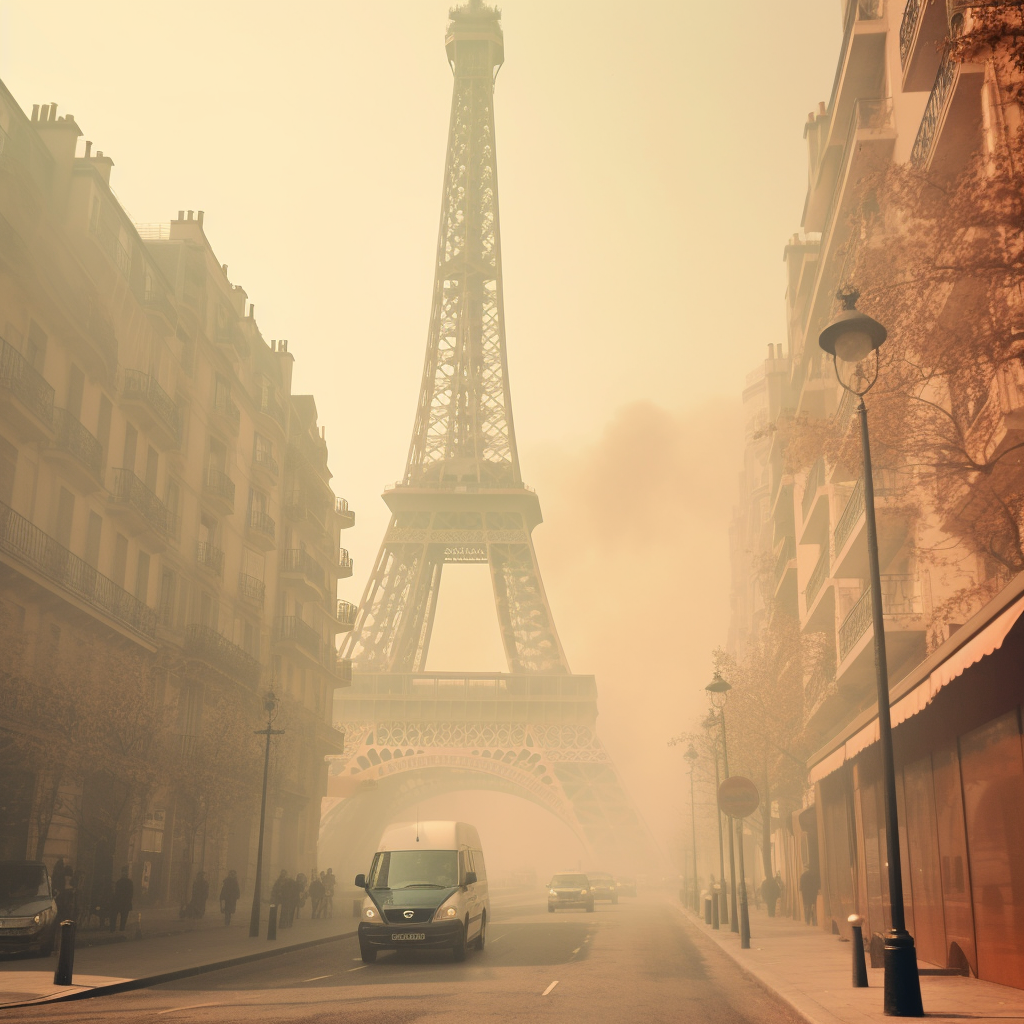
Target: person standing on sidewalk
{"points": [[809, 885], [200, 894], [229, 896], [316, 895], [770, 894], [124, 894]]}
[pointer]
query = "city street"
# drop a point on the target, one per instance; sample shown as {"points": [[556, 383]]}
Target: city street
{"points": [[638, 960]]}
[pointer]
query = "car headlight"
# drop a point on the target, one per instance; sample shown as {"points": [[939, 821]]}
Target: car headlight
{"points": [[44, 916], [583, 892], [446, 912], [551, 892], [369, 913]]}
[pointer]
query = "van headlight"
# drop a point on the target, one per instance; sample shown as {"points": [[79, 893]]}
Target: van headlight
{"points": [[369, 913], [44, 916], [446, 912], [583, 892], [552, 892]]}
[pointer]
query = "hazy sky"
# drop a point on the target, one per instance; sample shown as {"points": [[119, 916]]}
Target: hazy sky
{"points": [[651, 167]]}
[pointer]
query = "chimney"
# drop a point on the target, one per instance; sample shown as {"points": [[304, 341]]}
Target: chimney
{"points": [[822, 111], [88, 148], [771, 351], [44, 112], [53, 111], [252, 310], [779, 349], [35, 111], [189, 214], [223, 266], [199, 217]]}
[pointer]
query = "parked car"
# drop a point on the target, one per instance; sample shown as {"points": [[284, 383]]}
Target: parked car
{"points": [[28, 912], [603, 886], [568, 890]]}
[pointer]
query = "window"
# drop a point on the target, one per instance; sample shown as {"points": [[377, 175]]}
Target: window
{"points": [[103, 425], [251, 639], [142, 577], [92, 539], [252, 564], [35, 350], [8, 465], [257, 502], [173, 496], [76, 387], [153, 831], [65, 517], [131, 440], [152, 467], [120, 559], [168, 591]]}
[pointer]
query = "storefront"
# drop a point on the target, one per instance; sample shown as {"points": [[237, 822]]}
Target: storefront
{"points": [[959, 750]]}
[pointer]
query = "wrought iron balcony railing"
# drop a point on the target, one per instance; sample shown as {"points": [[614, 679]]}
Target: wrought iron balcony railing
{"points": [[344, 563], [136, 384], [219, 484], [32, 547], [945, 77], [885, 481], [818, 575], [210, 557], [291, 627], [815, 479], [263, 458], [907, 26], [262, 523], [901, 595], [131, 491], [218, 651], [25, 383], [295, 560], [787, 552], [347, 613], [251, 589], [74, 439], [222, 403]]}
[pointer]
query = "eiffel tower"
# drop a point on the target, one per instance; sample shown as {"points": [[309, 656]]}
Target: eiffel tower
{"points": [[411, 734]]}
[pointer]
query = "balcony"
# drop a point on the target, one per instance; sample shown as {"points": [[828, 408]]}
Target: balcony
{"points": [[219, 489], [818, 576], [346, 517], [161, 311], [138, 505], [210, 558], [343, 670], [850, 541], [110, 244], [251, 589], [344, 564], [263, 461], [79, 452], [29, 408], [303, 574], [207, 645], [272, 409], [157, 407], [345, 615], [950, 129], [261, 529], [29, 546], [299, 509], [293, 632], [922, 31], [226, 411], [903, 610]]}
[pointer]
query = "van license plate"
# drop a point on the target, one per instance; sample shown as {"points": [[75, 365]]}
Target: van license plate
{"points": [[407, 936]]}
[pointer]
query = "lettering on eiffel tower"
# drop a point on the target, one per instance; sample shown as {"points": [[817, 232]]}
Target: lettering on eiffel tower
{"points": [[530, 731]]}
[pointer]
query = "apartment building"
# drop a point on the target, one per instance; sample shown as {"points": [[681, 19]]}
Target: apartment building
{"points": [[905, 95], [165, 498]]}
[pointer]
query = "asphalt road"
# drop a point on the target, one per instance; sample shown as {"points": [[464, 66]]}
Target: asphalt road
{"points": [[637, 961]]}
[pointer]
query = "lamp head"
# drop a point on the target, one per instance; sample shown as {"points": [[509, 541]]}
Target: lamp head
{"points": [[691, 754], [270, 702], [718, 685], [852, 335]]}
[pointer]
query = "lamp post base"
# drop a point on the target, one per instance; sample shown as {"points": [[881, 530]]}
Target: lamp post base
{"points": [[902, 983]]}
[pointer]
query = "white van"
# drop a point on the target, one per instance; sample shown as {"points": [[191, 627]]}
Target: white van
{"points": [[427, 889]]}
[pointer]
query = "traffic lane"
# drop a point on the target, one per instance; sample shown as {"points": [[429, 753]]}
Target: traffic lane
{"points": [[637, 960]]}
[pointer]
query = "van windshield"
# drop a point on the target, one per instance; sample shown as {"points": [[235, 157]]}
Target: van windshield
{"points": [[411, 869], [20, 880]]}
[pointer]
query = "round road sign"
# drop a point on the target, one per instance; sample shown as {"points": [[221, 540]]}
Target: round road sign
{"points": [[738, 797]]}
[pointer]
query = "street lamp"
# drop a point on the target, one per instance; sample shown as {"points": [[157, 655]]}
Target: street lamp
{"points": [[691, 755], [710, 723], [718, 690], [850, 339], [270, 704]]}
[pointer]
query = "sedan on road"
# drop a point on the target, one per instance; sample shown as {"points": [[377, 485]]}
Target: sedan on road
{"points": [[603, 886], [570, 890], [28, 913]]}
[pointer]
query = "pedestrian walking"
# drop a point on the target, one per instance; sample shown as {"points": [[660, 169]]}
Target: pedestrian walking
{"points": [[277, 890], [316, 896], [229, 896], [67, 902], [200, 894], [809, 886], [124, 893], [300, 880], [770, 894], [290, 891], [328, 903], [57, 877]]}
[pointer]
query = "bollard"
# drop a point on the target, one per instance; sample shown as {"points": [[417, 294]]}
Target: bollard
{"points": [[66, 956], [708, 900], [860, 970], [137, 934], [272, 922], [715, 900]]}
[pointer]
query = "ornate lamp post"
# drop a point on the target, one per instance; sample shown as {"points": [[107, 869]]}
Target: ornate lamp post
{"points": [[718, 690], [270, 704], [851, 338], [711, 722], [691, 755]]}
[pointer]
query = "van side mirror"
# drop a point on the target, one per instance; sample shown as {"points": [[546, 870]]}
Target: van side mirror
{"points": [[470, 877], [360, 881]]}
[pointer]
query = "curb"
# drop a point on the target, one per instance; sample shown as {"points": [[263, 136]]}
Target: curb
{"points": [[185, 972], [744, 970]]}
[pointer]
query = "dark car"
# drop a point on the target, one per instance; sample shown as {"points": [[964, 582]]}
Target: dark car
{"points": [[603, 886], [627, 886], [571, 889], [28, 913]]}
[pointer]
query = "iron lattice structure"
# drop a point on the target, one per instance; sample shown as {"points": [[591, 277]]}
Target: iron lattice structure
{"points": [[462, 499]]}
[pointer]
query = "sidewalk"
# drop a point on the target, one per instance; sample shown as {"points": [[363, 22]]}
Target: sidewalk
{"points": [[133, 963], [811, 971]]}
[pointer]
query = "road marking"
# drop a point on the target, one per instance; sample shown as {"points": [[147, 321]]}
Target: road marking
{"points": [[194, 1006], [319, 977], [549, 988], [356, 959], [576, 950], [351, 969]]}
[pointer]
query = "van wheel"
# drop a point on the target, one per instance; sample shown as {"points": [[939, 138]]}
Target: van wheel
{"points": [[368, 955], [590, 907], [459, 949], [481, 939]]}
